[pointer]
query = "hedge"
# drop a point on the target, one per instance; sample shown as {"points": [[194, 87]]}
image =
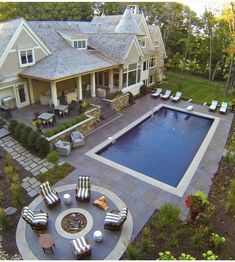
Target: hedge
{"points": [[65, 125]]}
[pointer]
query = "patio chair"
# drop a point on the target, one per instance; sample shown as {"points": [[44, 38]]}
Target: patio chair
{"points": [[63, 147], [224, 107], [37, 219], [50, 196], [157, 93], [77, 139], [166, 95], [213, 105], [177, 97], [115, 219], [83, 188], [81, 247]]}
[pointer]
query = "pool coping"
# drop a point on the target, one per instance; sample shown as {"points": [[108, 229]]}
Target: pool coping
{"points": [[185, 181]]}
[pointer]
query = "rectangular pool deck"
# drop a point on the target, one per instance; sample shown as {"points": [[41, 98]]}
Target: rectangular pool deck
{"points": [[144, 198]]}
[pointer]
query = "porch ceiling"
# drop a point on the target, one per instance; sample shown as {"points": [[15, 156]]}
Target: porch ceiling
{"points": [[68, 63]]}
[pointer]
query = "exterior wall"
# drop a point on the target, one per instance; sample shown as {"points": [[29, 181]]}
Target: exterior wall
{"points": [[8, 91], [23, 41], [66, 85], [143, 29], [133, 54], [41, 87], [11, 66]]}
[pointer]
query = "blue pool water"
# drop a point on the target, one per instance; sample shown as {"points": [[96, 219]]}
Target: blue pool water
{"points": [[162, 146]]}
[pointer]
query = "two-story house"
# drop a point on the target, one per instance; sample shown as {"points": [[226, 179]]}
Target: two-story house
{"points": [[39, 60]]}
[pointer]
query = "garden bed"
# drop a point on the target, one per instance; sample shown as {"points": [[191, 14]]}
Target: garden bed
{"points": [[181, 237]]}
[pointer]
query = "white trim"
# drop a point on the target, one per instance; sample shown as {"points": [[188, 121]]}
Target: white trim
{"points": [[26, 50], [79, 40], [18, 103], [147, 31], [153, 57], [137, 46], [23, 26]]}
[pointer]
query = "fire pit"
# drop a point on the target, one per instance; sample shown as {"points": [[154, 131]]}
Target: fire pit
{"points": [[74, 222]]}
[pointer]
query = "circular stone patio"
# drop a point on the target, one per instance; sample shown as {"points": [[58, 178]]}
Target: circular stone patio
{"points": [[112, 247]]}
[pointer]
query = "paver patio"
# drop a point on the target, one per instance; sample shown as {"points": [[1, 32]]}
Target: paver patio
{"points": [[142, 198]]}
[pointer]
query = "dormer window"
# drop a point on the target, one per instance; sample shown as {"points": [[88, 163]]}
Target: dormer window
{"points": [[80, 44], [26, 57], [142, 42]]}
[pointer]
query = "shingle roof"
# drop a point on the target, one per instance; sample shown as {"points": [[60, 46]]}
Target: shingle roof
{"points": [[7, 30], [68, 62], [113, 45], [128, 24], [72, 34]]}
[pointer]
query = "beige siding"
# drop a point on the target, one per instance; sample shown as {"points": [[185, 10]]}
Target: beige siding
{"points": [[143, 29], [67, 85], [24, 41], [7, 92], [133, 54], [41, 88], [11, 66]]}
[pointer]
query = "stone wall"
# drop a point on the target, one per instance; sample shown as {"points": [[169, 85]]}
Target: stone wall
{"points": [[119, 103], [85, 127]]}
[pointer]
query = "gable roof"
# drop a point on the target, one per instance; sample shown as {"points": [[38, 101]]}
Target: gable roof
{"points": [[7, 31], [69, 62]]}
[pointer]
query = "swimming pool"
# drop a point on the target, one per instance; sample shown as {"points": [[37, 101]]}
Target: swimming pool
{"points": [[160, 147]]}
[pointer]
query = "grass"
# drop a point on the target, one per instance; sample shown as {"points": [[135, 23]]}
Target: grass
{"points": [[56, 174], [197, 88]]}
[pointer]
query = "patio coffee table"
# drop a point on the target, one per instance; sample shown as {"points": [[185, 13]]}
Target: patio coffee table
{"points": [[46, 241]]}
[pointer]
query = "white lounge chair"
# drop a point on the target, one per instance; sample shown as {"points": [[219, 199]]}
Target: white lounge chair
{"points": [[213, 105], [224, 107], [157, 93], [166, 95], [177, 97]]}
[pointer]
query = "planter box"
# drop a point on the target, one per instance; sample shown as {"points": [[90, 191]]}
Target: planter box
{"points": [[119, 102]]}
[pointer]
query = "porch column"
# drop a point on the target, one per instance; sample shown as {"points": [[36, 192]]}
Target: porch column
{"points": [[93, 85], [111, 78], [120, 84], [54, 93], [79, 87], [31, 94]]}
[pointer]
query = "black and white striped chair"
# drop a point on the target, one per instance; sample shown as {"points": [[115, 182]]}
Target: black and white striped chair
{"points": [[83, 188], [50, 196], [81, 247], [37, 219], [115, 219]]}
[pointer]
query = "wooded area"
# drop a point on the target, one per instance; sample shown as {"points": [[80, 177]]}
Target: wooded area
{"points": [[203, 46]]}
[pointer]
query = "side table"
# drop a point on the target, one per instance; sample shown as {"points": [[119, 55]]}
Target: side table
{"points": [[67, 199], [46, 241], [98, 236]]}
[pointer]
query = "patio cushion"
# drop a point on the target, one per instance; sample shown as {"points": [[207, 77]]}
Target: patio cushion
{"points": [[50, 196], [83, 188], [116, 218], [36, 220], [81, 246], [83, 193]]}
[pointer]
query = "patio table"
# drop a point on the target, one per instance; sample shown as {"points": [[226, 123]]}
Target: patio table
{"points": [[46, 241], [46, 117], [61, 108]]}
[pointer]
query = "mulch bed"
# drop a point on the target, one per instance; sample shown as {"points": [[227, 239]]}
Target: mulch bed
{"points": [[220, 223], [8, 235]]}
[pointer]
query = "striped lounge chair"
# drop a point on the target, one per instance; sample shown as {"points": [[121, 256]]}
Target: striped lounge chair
{"points": [[50, 196], [115, 219], [81, 247], [37, 219], [83, 188]]}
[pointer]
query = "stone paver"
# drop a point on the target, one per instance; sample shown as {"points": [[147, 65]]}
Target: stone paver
{"points": [[4, 132], [32, 193], [43, 170]]}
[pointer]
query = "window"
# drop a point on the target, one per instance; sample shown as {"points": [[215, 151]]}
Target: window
{"points": [[145, 66], [156, 43], [26, 57], [152, 62], [131, 75], [151, 80], [80, 44], [142, 42]]}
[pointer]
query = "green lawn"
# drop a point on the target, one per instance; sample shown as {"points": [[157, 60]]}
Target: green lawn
{"points": [[197, 88]]}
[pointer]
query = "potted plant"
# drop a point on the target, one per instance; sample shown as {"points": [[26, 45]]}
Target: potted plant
{"points": [[196, 203]]}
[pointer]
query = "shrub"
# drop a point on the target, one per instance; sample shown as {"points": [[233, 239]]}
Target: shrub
{"points": [[230, 201], [132, 253], [198, 239], [166, 256], [16, 194], [53, 157], [32, 140], [131, 98], [24, 135], [143, 90], [209, 255], [113, 95], [49, 133], [3, 218], [12, 125], [168, 216], [18, 130], [218, 241], [1, 195], [42, 146], [85, 105], [184, 256], [146, 244]]}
